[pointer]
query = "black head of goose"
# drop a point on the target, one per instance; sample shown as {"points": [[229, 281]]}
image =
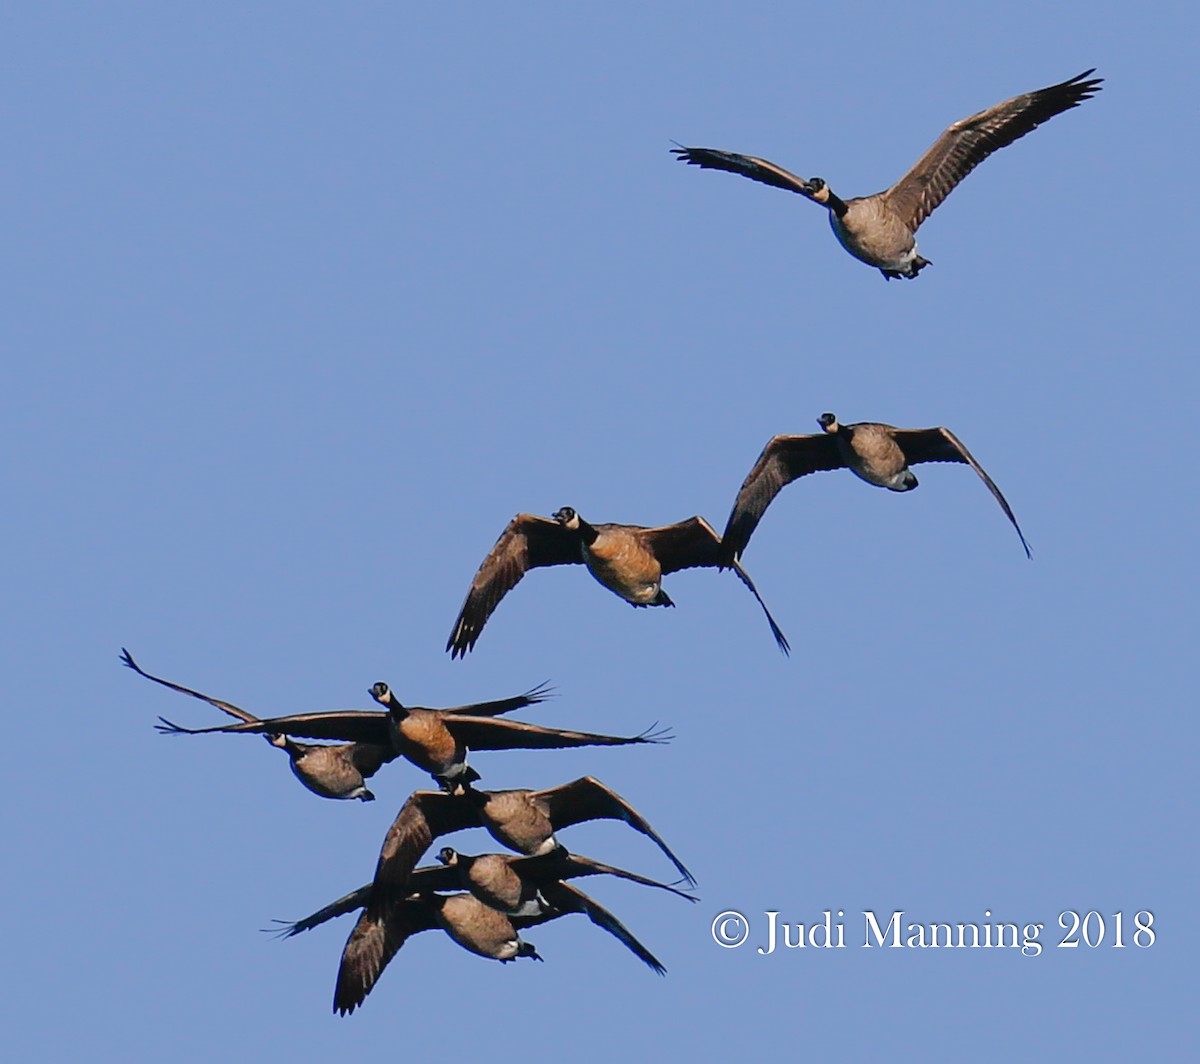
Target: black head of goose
{"points": [[629, 560], [328, 771], [880, 229], [877, 453]]}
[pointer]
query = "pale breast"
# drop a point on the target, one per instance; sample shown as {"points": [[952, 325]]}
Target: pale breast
{"points": [[428, 742], [477, 927], [622, 563], [873, 454], [516, 820], [872, 233], [493, 881], [325, 770]]}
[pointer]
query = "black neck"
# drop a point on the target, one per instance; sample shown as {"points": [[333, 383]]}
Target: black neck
{"points": [[838, 206], [586, 532]]}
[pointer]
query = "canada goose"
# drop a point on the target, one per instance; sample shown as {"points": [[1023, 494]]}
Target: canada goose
{"points": [[876, 453], [328, 771], [879, 229], [436, 740], [513, 884], [523, 820], [629, 560], [472, 924]]}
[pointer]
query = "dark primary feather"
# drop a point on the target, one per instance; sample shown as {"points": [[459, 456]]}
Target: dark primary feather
{"points": [[426, 815], [559, 865], [225, 707], [747, 165], [373, 943], [541, 693], [694, 543], [485, 733], [346, 725], [941, 445], [966, 143], [784, 459], [589, 799], [528, 542], [356, 899], [568, 899]]}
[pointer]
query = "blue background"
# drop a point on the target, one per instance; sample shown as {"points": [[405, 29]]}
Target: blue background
{"points": [[303, 302]]}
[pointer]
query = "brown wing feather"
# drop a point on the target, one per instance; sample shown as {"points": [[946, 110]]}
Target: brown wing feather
{"points": [[784, 459], [687, 544], [487, 733], [424, 817], [527, 543], [747, 165], [966, 143], [378, 935], [941, 445], [225, 707], [588, 799]]}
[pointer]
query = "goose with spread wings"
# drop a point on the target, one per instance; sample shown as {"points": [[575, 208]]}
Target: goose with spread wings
{"points": [[526, 821], [513, 884], [877, 453], [436, 740], [473, 924], [880, 229], [328, 771], [629, 560]]}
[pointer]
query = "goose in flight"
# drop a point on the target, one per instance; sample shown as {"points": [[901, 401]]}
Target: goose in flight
{"points": [[877, 453], [880, 229], [629, 560], [436, 740], [329, 771]]}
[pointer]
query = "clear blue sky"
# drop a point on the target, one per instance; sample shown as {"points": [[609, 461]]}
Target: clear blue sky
{"points": [[303, 302]]}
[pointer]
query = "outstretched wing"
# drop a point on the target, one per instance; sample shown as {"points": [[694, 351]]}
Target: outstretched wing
{"points": [[540, 693], [347, 725], [487, 733], [225, 707], [689, 544], [424, 817], [588, 799], [379, 933], [527, 543], [747, 165], [356, 899], [941, 445], [784, 459], [567, 899], [965, 144], [558, 864], [693, 543]]}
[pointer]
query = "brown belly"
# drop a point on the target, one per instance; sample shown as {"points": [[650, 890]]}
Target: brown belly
{"points": [[477, 927], [426, 741], [515, 821], [625, 567]]}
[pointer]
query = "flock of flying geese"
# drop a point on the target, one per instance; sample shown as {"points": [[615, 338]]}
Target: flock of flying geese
{"points": [[483, 902]]}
